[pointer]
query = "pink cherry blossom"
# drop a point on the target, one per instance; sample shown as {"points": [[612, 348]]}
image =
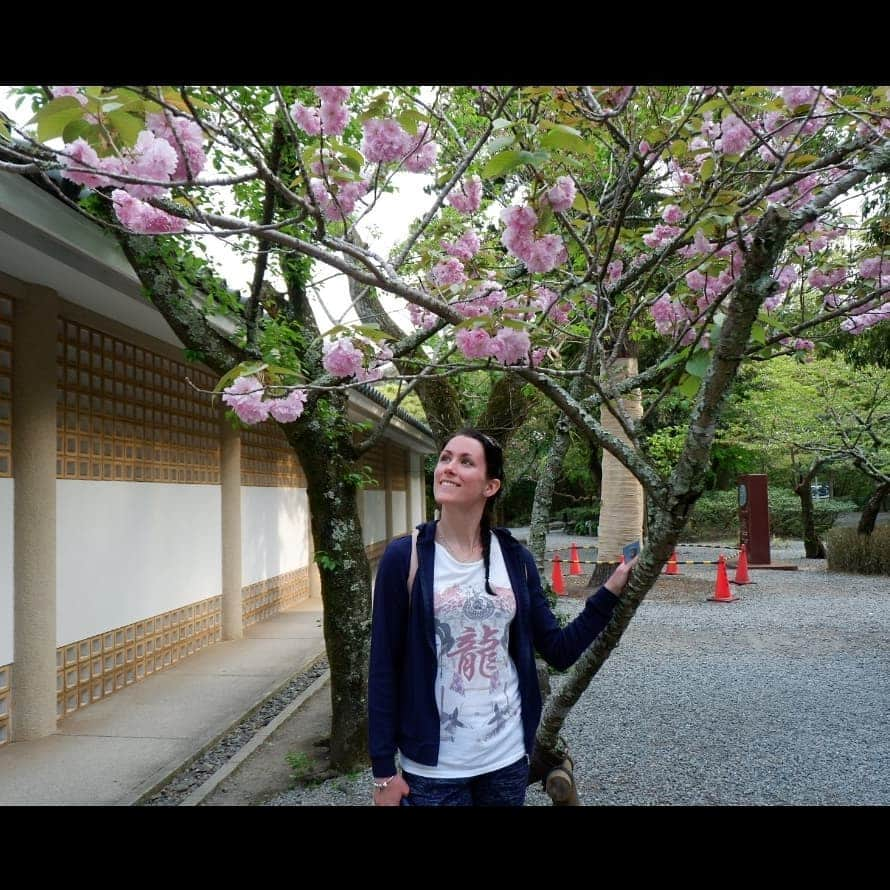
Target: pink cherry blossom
{"points": [[421, 151], [465, 248], [796, 96], [467, 197], [80, 156], [74, 91], [151, 158], [474, 342], [341, 358], [672, 214], [185, 137], [245, 398], [695, 280], [545, 254], [308, 119], [448, 272], [562, 194], [871, 267], [385, 141], [735, 135], [137, 216], [333, 95], [334, 118], [289, 408], [511, 347], [614, 270]]}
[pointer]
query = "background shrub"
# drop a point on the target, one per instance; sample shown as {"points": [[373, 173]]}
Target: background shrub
{"points": [[716, 513], [848, 551]]}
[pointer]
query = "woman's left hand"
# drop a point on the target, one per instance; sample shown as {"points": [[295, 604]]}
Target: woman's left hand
{"points": [[618, 579]]}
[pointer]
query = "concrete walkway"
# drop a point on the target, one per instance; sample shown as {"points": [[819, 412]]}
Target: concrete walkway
{"points": [[119, 749]]}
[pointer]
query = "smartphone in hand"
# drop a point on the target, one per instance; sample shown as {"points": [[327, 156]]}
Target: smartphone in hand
{"points": [[631, 550]]}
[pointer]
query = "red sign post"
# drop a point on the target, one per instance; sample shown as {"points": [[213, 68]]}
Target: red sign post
{"points": [[754, 517]]}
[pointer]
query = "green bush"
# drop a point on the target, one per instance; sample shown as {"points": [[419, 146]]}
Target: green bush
{"points": [[577, 519], [716, 514], [848, 551]]}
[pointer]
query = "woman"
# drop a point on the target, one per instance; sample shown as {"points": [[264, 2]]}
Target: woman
{"points": [[453, 684]]}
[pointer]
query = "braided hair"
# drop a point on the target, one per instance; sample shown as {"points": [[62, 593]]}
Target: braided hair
{"points": [[494, 469]]}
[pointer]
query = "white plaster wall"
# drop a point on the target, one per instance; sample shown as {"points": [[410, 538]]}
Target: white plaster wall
{"points": [[374, 516], [399, 512], [6, 588], [128, 550], [274, 529], [416, 483]]}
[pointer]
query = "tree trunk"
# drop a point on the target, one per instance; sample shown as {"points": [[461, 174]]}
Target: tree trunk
{"points": [[872, 508], [345, 587], [537, 536], [812, 544], [623, 504]]}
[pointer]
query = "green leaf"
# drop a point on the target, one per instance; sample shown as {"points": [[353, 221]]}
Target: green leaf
{"points": [[501, 142], [501, 163], [707, 169], [372, 332], [352, 158], [80, 129], [128, 126], [535, 158], [566, 138], [758, 333], [410, 119], [581, 203], [698, 365], [245, 369], [55, 116], [678, 148], [378, 107], [689, 387]]}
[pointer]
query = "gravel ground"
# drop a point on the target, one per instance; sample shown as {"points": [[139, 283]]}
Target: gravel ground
{"points": [[199, 770], [779, 698]]}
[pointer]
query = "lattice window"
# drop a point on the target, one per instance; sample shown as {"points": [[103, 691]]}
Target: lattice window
{"points": [[267, 458], [267, 598], [91, 669], [5, 386], [127, 414]]}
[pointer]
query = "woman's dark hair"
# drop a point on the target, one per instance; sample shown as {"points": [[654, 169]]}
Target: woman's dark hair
{"points": [[494, 469]]}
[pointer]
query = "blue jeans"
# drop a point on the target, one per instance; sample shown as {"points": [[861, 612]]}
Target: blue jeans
{"points": [[502, 788]]}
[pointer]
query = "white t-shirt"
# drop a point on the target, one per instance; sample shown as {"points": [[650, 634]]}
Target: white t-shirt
{"points": [[477, 689]]}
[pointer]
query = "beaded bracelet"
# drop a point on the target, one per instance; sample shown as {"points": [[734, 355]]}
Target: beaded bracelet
{"points": [[379, 786]]}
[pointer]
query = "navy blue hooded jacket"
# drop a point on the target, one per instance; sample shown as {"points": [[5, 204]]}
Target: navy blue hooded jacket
{"points": [[402, 711]]}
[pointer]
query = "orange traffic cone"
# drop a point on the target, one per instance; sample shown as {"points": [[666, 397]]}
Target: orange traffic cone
{"points": [[559, 587], [721, 589], [741, 569], [576, 561], [672, 567]]}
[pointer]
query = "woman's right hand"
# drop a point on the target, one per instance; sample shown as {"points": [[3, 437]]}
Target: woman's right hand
{"points": [[392, 795]]}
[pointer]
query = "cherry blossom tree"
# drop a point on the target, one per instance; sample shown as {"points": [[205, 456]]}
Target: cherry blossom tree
{"points": [[572, 229]]}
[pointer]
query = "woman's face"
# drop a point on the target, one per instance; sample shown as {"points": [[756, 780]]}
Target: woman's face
{"points": [[461, 477]]}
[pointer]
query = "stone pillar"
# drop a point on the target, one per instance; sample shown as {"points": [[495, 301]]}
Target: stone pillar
{"points": [[34, 548], [230, 483]]}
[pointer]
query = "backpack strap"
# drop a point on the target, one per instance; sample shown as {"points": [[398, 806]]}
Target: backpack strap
{"points": [[412, 569]]}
